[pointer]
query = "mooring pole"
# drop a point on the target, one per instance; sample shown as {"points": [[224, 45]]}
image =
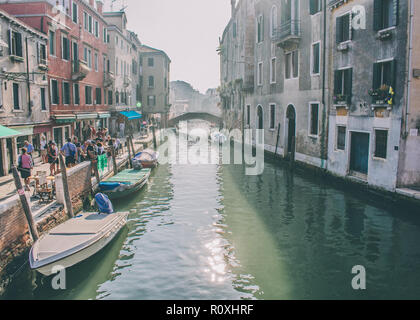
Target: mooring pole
{"points": [[129, 152], [66, 190], [114, 160], [277, 142], [154, 137], [132, 146], [25, 204]]}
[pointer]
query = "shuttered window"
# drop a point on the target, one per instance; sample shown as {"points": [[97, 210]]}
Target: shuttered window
{"points": [[384, 73], [43, 100], [54, 92], [98, 96], [52, 43], [260, 29], [15, 43], [381, 143], [316, 54], [343, 83], [66, 93], [65, 49], [343, 28], [76, 94], [314, 119], [272, 116], [341, 138], [385, 14], [88, 95], [315, 6], [16, 97]]}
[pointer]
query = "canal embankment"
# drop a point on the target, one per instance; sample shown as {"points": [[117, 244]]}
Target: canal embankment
{"points": [[15, 237]]}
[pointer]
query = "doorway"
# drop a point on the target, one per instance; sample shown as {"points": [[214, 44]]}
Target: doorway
{"points": [[359, 154], [291, 130], [260, 124]]}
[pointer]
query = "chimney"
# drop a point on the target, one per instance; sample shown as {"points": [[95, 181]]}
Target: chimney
{"points": [[99, 6], [233, 3]]}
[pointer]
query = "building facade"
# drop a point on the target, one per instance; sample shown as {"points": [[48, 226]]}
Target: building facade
{"points": [[155, 88], [24, 103]]}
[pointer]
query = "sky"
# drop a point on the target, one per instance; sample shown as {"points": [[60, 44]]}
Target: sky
{"points": [[187, 30]]}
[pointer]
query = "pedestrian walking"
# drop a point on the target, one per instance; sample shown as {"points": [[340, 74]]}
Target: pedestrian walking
{"points": [[25, 166], [69, 151], [52, 155]]}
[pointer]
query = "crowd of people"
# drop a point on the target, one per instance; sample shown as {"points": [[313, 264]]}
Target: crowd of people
{"points": [[73, 150]]}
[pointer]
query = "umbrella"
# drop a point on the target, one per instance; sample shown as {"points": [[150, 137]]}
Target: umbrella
{"points": [[6, 132]]}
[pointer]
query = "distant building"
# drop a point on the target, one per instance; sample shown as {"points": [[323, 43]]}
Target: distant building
{"points": [[24, 103], [155, 75]]}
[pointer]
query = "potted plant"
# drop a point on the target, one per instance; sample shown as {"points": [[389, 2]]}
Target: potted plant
{"points": [[340, 99]]}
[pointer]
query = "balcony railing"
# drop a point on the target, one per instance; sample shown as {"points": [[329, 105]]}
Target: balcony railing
{"points": [[289, 32], [79, 70], [108, 79], [127, 81]]}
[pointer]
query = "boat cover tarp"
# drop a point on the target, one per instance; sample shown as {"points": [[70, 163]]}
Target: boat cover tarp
{"points": [[129, 176], [104, 204]]}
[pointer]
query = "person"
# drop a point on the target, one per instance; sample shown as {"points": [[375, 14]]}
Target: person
{"points": [[52, 155], [122, 129], [101, 149], [44, 148], [29, 148], [69, 150], [83, 151], [79, 149], [25, 166]]}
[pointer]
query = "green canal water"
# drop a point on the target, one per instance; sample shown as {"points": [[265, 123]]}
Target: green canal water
{"points": [[211, 232]]}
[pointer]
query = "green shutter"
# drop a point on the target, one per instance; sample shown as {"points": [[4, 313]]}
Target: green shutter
{"points": [[395, 12], [348, 83], [376, 76], [312, 6], [377, 15], [337, 87], [339, 29], [19, 44], [9, 41]]}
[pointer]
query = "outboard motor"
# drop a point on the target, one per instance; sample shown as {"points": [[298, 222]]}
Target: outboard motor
{"points": [[104, 204], [137, 164]]}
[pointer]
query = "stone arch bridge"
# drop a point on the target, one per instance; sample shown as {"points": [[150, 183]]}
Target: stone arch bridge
{"points": [[210, 117]]}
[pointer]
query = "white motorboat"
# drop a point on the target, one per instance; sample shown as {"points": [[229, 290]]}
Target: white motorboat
{"points": [[74, 241]]}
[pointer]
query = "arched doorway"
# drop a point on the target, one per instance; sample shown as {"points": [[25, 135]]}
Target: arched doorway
{"points": [[291, 130]]}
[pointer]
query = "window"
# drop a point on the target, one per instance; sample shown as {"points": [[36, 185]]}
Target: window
{"points": [[65, 54], [88, 95], [381, 143], [88, 57], [66, 93], [75, 13], [272, 116], [260, 29], [315, 6], [151, 82], [343, 28], [16, 97], [117, 97], [316, 58], [52, 43], [343, 83], [86, 21], [42, 54], [90, 24], [96, 61], [248, 115], [54, 92], [273, 71], [110, 97], [384, 73], [234, 31], [150, 62], [314, 119], [76, 94], [43, 100], [385, 14], [292, 64], [260, 73], [105, 35], [98, 96], [96, 29], [15, 44], [341, 138], [273, 21], [151, 101]]}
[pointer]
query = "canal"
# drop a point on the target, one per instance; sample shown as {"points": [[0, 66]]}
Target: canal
{"points": [[211, 232]]}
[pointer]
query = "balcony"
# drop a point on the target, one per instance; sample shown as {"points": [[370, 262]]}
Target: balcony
{"points": [[43, 65], [288, 35], [108, 79], [79, 70], [127, 81], [248, 85]]}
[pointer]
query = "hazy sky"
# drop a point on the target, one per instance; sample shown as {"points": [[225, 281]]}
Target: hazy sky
{"points": [[187, 30]]}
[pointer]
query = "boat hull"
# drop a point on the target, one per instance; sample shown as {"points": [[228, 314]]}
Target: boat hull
{"points": [[127, 192], [81, 255]]}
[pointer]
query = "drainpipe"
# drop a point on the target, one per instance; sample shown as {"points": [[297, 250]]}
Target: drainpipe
{"points": [[27, 77], [410, 65], [325, 114]]}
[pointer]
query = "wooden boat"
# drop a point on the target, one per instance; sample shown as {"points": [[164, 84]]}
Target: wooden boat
{"points": [[75, 240], [125, 183], [148, 158]]}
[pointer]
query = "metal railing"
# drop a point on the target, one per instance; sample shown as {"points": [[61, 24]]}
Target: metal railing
{"points": [[288, 29]]}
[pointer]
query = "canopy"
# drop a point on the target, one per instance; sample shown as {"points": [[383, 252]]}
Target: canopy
{"points": [[131, 115], [6, 132]]}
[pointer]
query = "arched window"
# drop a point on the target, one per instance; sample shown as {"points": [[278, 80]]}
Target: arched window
{"points": [[117, 97], [274, 22]]}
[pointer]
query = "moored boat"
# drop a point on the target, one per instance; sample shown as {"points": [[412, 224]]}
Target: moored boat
{"points": [[75, 240], [148, 158], [125, 183]]}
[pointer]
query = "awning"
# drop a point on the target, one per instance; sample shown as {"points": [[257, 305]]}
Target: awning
{"points": [[104, 115], [131, 115], [25, 131], [65, 118], [6, 132], [86, 116]]}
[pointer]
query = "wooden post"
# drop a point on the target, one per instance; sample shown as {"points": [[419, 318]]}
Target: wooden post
{"points": [[277, 142], [132, 146], [66, 187], [114, 160], [25, 205], [154, 137], [129, 153]]}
